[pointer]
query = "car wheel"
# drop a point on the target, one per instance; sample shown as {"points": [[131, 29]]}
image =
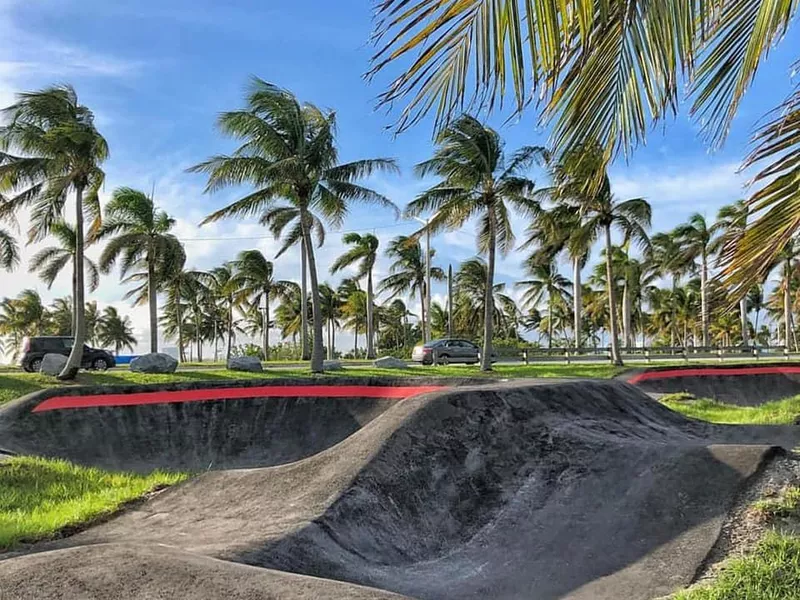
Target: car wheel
{"points": [[34, 365], [100, 364], [444, 360]]}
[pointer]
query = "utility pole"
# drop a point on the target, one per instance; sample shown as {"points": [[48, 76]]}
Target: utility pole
{"points": [[426, 326], [450, 301]]}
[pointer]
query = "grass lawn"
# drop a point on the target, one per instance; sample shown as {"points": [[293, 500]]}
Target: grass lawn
{"points": [[41, 497], [779, 412]]}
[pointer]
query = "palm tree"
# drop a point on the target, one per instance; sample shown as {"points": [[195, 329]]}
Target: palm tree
{"points": [[668, 258], [330, 307], [51, 261], [731, 224], [470, 308], [92, 316], [226, 290], [289, 153], [60, 317], [141, 239], [364, 251], [49, 148], [255, 276], [115, 330], [545, 282], [288, 313], [696, 239], [354, 311], [786, 260], [407, 274], [477, 181]]}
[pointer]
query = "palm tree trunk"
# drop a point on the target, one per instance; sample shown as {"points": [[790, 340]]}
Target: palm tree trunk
{"points": [[370, 319], [230, 329], [787, 304], [626, 314], [355, 341], [488, 314], [306, 354], [266, 323], [612, 302], [317, 351], [181, 351], [76, 354], [577, 300], [673, 318], [422, 308], [743, 315], [74, 326], [704, 297], [153, 305], [550, 321]]}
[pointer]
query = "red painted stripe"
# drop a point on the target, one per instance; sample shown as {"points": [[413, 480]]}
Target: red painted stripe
{"points": [[706, 372], [269, 391]]}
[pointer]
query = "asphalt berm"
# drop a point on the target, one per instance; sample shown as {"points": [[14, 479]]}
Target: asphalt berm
{"points": [[743, 385], [519, 490]]}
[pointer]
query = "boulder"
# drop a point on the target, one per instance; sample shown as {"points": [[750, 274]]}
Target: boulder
{"points": [[332, 365], [155, 362], [390, 362], [251, 364], [53, 364]]}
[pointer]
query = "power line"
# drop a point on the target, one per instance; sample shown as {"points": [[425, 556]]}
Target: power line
{"points": [[270, 237]]}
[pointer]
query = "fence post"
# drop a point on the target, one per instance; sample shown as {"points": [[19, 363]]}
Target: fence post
{"points": [[566, 355], [786, 352], [647, 356], [525, 355], [755, 352], [719, 354]]}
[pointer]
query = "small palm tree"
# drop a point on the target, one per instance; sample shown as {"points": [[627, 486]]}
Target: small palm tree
{"points": [[364, 252], [60, 317], [115, 330], [289, 153], [331, 307], [49, 262], [141, 239], [477, 181], [408, 272], [255, 276], [49, 148], [226, 289], [731, 224], [545, 282]]}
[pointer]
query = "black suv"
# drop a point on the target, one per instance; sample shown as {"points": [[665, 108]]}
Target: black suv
{"points": [[34, 349]]}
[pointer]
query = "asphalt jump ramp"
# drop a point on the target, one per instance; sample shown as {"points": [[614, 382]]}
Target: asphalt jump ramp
{"points": [[526, 490]]}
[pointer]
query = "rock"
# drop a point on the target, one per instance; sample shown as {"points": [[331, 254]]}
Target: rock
{"points": [[154, 363], [251, 364], [53, 364], [390, 362], [332, 365]]}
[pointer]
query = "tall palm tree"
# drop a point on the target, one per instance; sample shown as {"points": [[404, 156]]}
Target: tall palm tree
{"points": [[731, 224], [477, 181], [354, 311], [226, 290], [544, 283], [60, 317], [141, 238], [287, 314], [668, 258], [469, 311], [696, 238], [49, 262], [50, 147], [363, 253], [408, 272], [115, 330], [256, 277], [92, 316], [288, 153]]}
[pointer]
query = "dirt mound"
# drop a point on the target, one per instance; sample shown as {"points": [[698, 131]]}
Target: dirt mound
{"points": [[743, 385], [514, 491]]}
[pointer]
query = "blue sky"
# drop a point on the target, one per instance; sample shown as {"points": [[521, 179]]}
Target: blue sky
{"points": [[157, 74]]}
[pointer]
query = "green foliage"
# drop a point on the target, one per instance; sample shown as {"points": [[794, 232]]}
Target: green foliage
{"points": [[770, 572], [787, 504], [780, 412], [40, 497]]}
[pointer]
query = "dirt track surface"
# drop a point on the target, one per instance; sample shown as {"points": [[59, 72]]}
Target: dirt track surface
{"points": [[577, 490], [743, 385]]}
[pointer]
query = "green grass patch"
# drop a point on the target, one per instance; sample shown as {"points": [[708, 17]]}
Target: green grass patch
{"points": [[787, 504], [41, 497], [779, 412], [770, 572]]}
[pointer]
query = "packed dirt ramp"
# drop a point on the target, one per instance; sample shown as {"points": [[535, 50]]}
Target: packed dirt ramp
{"points": [[546, 490]]}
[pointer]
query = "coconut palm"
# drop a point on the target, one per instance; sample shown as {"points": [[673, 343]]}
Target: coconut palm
{"points": [[288, 153], [140, 238], [330, 306], [50, 148], [60, 316], [731, 224], [49, 262], [287, 314], [696, 239], [408, 272], [363, 253], [92, 316], [469, 309], [477, 181], [544, 283], [258, 285], [669, 260], [115, 330], [226, 291]]}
